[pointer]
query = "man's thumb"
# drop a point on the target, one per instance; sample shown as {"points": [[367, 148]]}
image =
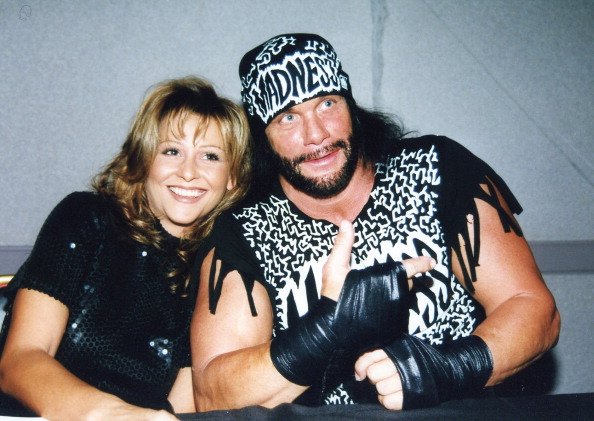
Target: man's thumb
{"points": [[343, 243]]}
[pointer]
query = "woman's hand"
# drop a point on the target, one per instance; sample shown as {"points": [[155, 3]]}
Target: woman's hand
{"points": [[120, 410]]}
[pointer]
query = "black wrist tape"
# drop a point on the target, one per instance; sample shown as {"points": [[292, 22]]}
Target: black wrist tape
{"points": [[301, 353], [434, 374], [372, 310], [373, 306]]}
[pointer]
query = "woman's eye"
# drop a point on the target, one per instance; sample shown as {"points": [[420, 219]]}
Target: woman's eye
{"points": [[170, 151], [211, 156]]}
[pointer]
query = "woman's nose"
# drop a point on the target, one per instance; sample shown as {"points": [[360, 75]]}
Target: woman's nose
{"points": [[189, 169]]}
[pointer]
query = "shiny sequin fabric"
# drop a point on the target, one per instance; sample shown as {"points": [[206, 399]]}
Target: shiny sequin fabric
{"points": [[127, 333]]}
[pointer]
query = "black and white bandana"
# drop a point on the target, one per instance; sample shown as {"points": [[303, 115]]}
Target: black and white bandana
{"points": [[288, 70]]}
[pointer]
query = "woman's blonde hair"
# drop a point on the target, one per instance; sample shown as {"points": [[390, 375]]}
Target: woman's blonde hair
{"points": [[171, 103]]}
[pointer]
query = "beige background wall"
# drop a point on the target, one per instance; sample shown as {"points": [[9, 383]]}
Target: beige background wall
{"points": [[512, 80]]}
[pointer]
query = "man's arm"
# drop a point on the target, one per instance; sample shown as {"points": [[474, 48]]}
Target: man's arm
{"points": [[522, 320], [231, 361], [231, 349]]}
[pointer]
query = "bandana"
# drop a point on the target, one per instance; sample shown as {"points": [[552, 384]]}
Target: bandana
{"points": [[288, 70]]}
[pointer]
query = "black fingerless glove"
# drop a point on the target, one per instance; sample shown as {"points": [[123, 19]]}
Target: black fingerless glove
{"points": [[301, 352], [372, 309], [373, 306], [434, 374]]}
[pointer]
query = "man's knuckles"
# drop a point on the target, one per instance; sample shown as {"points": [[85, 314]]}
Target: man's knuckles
{"points": [[392, 401], [388, 386], [418, 265], [381, 370]]}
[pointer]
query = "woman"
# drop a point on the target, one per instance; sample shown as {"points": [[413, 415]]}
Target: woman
{"points": [[98, 317]]}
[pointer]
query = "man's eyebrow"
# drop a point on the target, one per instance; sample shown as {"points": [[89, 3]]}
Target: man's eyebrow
{"points": [[287, 111]]}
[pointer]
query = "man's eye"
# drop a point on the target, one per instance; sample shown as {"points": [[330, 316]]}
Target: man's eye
{"points": [[288, 118], [328, 103]]}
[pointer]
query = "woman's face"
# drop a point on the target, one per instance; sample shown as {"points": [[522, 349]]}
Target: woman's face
{"points": [[189, 176]]}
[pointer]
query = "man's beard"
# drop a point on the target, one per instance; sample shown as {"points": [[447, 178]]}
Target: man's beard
{"points": [[327, 186]]}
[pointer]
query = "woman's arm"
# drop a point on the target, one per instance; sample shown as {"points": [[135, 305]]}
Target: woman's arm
{"points": [[181, 396], [29, 372]]}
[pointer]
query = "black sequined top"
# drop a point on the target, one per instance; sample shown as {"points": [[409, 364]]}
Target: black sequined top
{"points": [[127, 333]]}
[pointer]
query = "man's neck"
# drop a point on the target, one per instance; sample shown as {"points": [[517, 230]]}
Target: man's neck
{"points": [[345, 205]]}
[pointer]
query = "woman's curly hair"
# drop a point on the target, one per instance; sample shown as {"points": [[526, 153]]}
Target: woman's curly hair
{"points": [[123, 180]]}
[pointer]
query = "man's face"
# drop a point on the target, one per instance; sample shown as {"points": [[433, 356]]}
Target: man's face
{"points": [[313, 147]]}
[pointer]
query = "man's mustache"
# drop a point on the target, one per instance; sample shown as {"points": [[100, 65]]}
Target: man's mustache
{"points": [[339, 144]]}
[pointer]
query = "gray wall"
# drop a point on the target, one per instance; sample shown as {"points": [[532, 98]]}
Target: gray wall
{"points": [[512, 80]]}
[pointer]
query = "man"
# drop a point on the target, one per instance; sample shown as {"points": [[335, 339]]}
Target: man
{"points": [[273, 324]]}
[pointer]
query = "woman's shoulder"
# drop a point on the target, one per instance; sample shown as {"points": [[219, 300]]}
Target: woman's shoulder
{"points": [[81, 200], [82, 208]]}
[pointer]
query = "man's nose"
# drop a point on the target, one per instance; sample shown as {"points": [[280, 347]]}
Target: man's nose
{"points": [[315, 130]]}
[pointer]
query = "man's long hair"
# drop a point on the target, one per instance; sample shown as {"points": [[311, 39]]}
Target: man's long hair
{"points": [[377, 133]]}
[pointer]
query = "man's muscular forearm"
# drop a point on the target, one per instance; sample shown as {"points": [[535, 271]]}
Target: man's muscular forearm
{"points": [[243, 378], [281, 370], [371, 310], [517, 341], [231, 349]]}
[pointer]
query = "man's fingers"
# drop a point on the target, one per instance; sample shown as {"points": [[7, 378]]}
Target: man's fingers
{"points": [[417, 265], [381, 370], [366, 360], [389, 385], [343, 243], [393, 401], [337, 266]]}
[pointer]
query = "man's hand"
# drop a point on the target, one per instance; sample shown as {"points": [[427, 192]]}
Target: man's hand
{"points": [[379, 369], [375, 365], [359, 308], [338, 264], [416, 374]]}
